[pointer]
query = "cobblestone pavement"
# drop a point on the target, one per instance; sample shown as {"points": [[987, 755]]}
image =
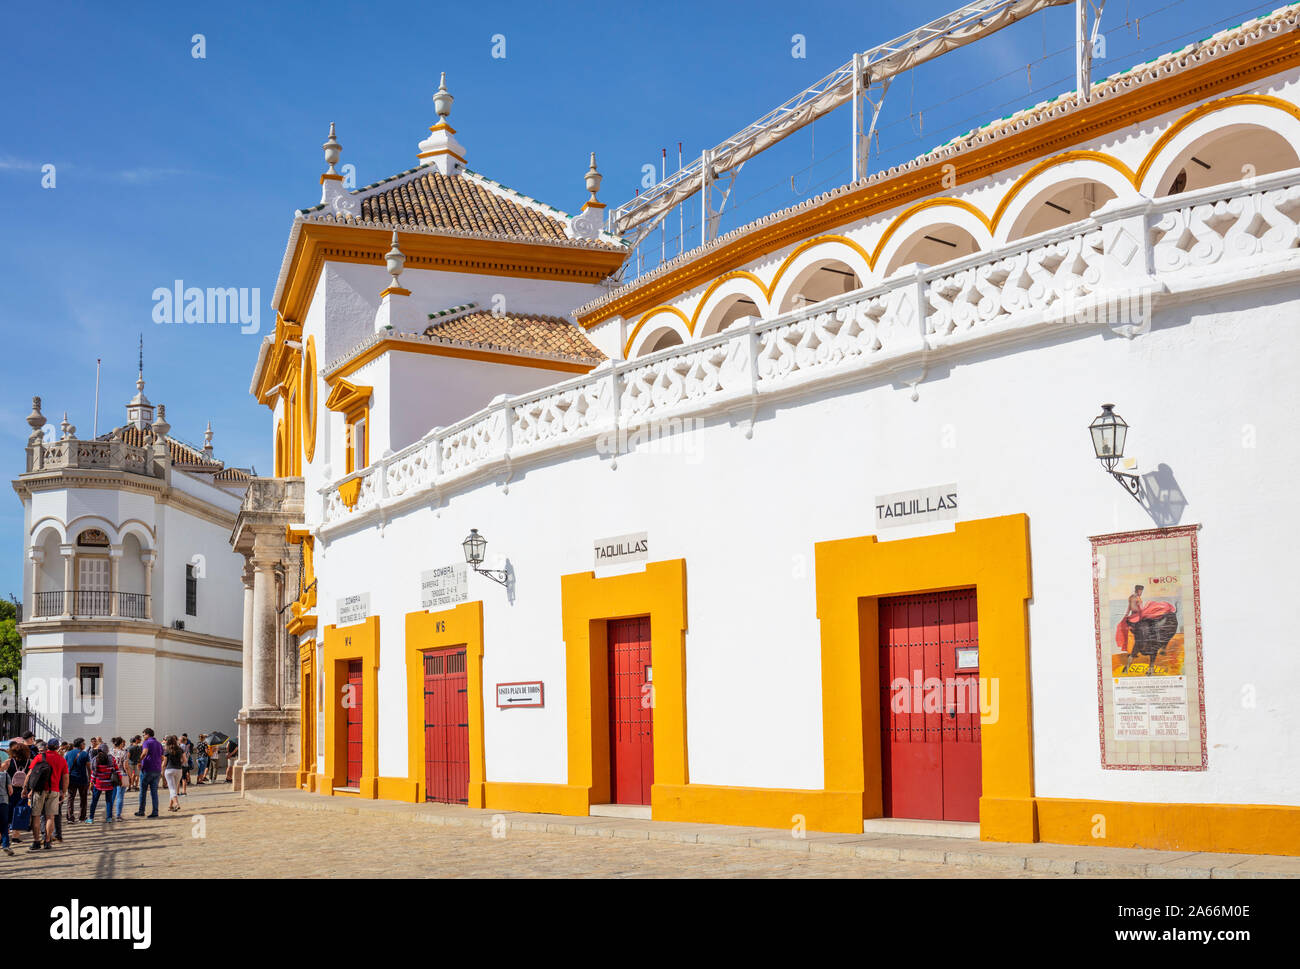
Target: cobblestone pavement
{"points": [[219, 835]]}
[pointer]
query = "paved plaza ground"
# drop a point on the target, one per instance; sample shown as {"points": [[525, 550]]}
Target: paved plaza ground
{"points": [[289, 834]]}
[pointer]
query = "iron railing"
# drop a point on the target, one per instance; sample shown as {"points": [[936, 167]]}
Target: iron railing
{"points": [[129, 605]]}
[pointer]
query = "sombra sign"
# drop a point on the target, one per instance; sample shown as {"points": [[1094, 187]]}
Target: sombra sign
{"points": [[353, 609], [938, 503], [444, 587], [622, 549]]}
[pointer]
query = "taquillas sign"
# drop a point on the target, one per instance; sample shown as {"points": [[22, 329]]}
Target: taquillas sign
{"points": [[622, 549]]}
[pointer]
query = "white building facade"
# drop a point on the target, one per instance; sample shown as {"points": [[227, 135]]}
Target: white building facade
{"points": [[807, 526], [132, 596]]}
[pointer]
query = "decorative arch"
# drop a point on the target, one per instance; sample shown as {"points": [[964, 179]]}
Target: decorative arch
{"points": [[810, 256], [143, 533], [661, 318], [1202, 123], [1019, 204], [718, 302], [914, 221], [308, 395], [82, 522], [46, 525]]}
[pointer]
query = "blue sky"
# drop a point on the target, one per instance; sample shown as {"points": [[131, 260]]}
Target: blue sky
{"points": [[169, 166]]}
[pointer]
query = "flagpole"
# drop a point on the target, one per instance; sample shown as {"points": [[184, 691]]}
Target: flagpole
{"points": [[94, 433]]}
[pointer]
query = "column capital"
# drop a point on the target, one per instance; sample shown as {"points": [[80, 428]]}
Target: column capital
{"points": [[67, 551]]}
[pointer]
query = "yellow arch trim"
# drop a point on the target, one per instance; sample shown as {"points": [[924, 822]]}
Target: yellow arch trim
{"points": [[665, 308], [896, 222], [808, 244], [1200, 111], [309, 394], [734, 274], [1046, 164]]}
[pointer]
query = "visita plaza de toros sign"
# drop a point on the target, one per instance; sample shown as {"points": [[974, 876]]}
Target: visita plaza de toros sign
{"points": [[937, 503], [622, 549]]}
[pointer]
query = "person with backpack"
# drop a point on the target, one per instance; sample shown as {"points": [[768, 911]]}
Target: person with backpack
{"points": [[119, 755], [47, 779], [201, 753], [20, 815], [232, 748], [6, 793], [133, 763], [106, 778], [78, 778], [174, 754]]}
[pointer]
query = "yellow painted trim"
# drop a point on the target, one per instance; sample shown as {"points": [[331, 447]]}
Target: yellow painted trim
{"points": [[807, 244], [349, 492], [759, 807], [300, 624], [1209, 107], [394, 291], [899, 220], [327, 177], [586, 603], [442, 151], [991, 554], [537, 798], [1064, 158], [461, 625], [1272, 829], [1106, 115], [306, 711], [377, 350], [343, 643], [309, 395], [669, 310], [345, 396]]}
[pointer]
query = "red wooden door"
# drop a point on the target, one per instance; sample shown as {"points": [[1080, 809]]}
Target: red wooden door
{"points": [[354, 712], [929, 703], [631, 725], [446, 727]]}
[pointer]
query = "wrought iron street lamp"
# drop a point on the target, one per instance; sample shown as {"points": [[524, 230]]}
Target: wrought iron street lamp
{"points": [[1109, 432], [474, 546]]}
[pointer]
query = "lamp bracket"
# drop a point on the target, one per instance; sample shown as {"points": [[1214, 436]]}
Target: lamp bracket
{"points": [[1130, 483], [499, 576]]}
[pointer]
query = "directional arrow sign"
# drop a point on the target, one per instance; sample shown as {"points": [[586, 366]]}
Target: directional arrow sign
{"points": [[526, 694]]}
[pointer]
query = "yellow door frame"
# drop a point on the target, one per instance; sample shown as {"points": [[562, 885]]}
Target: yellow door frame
{"points": [[991, 554], [587, 604], [461, 625], [342, 644], [307, 715]]}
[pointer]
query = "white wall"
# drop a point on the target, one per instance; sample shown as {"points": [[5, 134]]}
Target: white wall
{"points": [[745, 513]]}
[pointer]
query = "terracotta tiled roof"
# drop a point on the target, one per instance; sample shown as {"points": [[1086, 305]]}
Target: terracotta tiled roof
{"points": [[519, 332], [233, 476], [182, 455], [433, 200]]}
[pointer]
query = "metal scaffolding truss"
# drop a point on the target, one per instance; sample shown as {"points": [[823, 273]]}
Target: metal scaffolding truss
{"points": [[851, 82]]}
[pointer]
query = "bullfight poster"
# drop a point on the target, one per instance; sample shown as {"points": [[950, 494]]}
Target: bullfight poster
{"points": [[1147, 613]]}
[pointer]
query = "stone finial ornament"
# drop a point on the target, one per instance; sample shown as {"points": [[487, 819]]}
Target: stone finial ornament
{"points": [[63, 427], [207, 435], [442, 99], [593, 179], [36, 421], [160, 426], [395, 259], [333, 150]]}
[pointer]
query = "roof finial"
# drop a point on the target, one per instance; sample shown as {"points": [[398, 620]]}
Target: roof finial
{"points": [[207, 435], [441, 150], [442, 99], [593, 179], [395, 259], [332, 151], [139, 380]]}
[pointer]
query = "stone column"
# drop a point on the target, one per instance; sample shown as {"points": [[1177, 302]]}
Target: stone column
{"points": [[68, 552], [114, 560], [38, 559], [264, 633], [148, 559]]}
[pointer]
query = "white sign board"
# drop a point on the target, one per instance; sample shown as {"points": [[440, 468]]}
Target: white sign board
{"points": [[444, 587], [934, 504], [353, 609], [622, 549], [520, 694]]}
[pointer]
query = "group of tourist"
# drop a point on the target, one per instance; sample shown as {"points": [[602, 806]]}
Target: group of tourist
{"points": [[40, 780]]}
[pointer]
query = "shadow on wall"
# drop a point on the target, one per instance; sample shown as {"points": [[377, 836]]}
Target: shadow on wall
{"points": [[1162, 496]]}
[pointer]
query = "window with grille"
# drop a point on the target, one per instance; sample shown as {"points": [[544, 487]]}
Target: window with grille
{"points": [[90, 679], [191, 591]]}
